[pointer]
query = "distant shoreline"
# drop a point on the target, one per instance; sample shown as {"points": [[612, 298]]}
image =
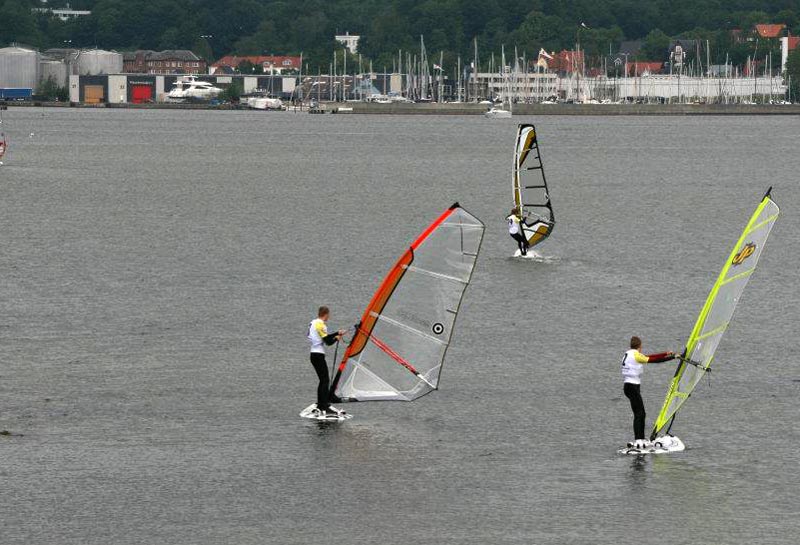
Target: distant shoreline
{"points": [[364, 108]]}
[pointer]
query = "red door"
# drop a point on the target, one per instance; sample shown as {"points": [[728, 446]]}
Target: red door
{"points": [[141, 93]]}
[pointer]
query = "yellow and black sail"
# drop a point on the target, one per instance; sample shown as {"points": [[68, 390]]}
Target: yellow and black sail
{"points": [[531, 194]]}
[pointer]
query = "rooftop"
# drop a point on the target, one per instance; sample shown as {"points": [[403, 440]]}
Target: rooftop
{"points": [[770, 31], [167, 54]]}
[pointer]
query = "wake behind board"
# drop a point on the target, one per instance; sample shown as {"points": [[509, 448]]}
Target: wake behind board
{"points": [[662, 445], [311, 413]]}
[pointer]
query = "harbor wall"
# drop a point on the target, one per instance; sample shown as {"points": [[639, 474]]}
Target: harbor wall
{"points": [[574, 109], [399, 108], [656, 109], [352, 108]]}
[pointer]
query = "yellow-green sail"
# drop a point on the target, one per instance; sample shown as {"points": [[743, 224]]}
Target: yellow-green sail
{"points": [[718, 311]]}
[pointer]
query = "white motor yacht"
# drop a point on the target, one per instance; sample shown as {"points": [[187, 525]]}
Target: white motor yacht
{"points": [[188, 87]]}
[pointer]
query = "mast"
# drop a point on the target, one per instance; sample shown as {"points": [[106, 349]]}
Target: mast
{"points": [[475, 70], [344, 75], [441, 79]]}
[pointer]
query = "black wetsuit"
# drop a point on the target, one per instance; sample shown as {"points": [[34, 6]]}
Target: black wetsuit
{"points": [[519, 236], [321, 367], [522, 242], [633, 393]]}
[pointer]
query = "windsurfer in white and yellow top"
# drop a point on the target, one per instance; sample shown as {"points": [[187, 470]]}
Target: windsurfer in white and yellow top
{"points": [[515, 230], [319, 337], [632, 366]]}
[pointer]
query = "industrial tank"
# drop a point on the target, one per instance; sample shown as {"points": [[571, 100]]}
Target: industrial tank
{"points": [[55, 69], [94, 62], [19, 67]]}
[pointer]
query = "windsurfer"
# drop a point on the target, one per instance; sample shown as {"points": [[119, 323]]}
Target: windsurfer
{"points": [[515, 230], [319, 337], [632, 367]]}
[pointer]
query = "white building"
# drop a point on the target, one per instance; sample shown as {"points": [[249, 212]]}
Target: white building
{"points": [[788, 43], [65, 14], [350, 42]]}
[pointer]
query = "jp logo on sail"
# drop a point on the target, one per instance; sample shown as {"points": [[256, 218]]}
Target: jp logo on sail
{"points": [[743, 254]]}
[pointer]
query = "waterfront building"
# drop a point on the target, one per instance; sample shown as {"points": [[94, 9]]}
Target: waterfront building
{"points": [[788, 44], [170, 61], [270, 64]]}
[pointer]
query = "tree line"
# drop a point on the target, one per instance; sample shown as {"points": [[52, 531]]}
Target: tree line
{"points": [[213, 28]]}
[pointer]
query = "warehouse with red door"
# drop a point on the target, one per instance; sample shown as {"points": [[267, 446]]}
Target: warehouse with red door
{"points": [[141, 89]]}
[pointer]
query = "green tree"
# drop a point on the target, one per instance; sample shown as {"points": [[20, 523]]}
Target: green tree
{"points": [[793, 73], [213, 28], [247, 67], [18, 24], [51, 90], [539, 30], [655, 46], [232, 92]]}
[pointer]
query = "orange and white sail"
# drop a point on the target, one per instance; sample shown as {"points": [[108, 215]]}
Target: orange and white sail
{"points": [[400, 343]]}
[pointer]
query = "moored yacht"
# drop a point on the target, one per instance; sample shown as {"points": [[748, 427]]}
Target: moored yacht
{"points": [[189, 87]]}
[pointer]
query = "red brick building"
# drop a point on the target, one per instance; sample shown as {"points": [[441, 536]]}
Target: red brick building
{"points": [[171, 61], [270, 64]]}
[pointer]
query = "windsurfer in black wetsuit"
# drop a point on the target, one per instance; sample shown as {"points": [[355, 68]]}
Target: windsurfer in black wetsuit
{"points": [[515, 222], [632, 366], [319, 337]]}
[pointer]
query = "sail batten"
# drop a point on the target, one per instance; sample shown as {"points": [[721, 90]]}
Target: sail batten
{"points": [[531, 196], [717, 312], [401, 341]]}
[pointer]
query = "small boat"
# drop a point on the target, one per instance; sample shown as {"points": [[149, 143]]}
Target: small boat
{"points": [[497, 113], [378, 99], [264, 103]]}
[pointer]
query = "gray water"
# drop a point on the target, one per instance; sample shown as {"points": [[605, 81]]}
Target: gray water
{"points": [[159, 270]]}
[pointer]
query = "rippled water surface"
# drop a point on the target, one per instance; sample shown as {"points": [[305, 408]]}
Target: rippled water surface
{"points": [[159, 270]]}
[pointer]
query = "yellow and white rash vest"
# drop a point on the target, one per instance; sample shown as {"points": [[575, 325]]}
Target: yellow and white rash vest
{"points": [[317, 331], [633, 364], [514, 224]]}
